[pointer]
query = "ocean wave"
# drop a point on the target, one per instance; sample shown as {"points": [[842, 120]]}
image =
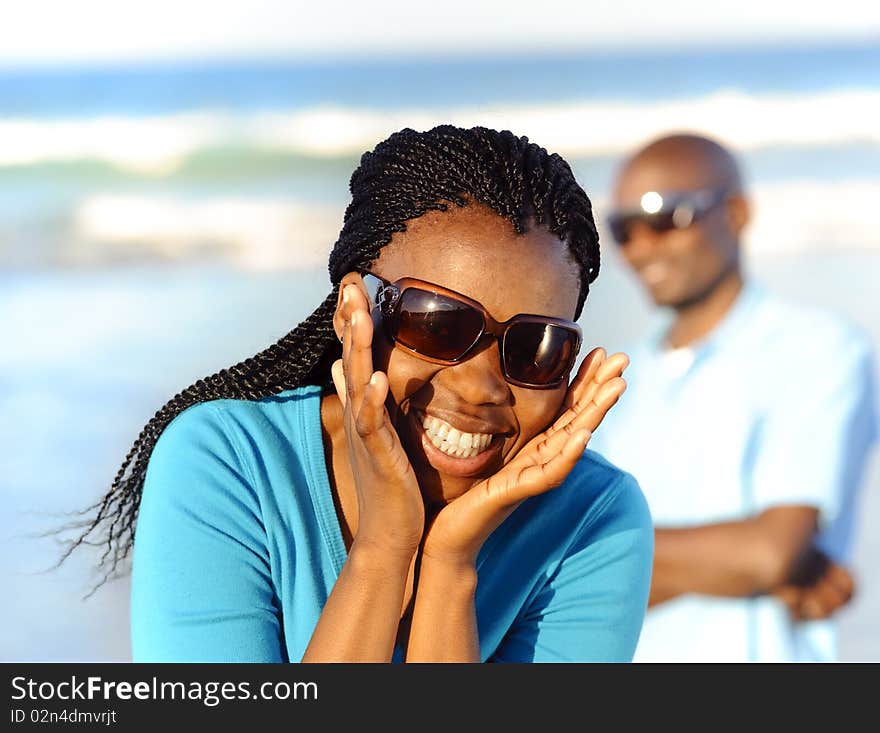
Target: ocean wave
{"points": [[162, 145], [809, 216], [251, 232], [266, 233]]}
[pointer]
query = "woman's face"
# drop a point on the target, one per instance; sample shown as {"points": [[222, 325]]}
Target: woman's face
{"points": [[477, 253]]}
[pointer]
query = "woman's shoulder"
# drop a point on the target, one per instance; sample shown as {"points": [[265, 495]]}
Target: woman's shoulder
{"points": [[228, 453], [244, 437], [285, 411], [602, 493]]}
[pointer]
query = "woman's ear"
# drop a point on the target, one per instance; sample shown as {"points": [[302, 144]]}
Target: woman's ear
{"points": [[350, 278]]}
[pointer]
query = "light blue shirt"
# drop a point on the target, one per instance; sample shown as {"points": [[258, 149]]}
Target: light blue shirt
{"points": [[776, 406], [238, 546]]}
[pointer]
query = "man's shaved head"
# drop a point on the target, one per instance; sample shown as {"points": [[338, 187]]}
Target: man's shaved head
{"points": [[682, 265], [684, 162]]}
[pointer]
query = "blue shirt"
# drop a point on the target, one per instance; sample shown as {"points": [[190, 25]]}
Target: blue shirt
{"points": [[776, 406], [238, 546]]}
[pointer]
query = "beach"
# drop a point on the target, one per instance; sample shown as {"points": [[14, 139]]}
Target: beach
{"points": [[159, 223]]}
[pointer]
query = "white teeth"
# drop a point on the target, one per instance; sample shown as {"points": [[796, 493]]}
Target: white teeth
{"points": [[452, 441]]}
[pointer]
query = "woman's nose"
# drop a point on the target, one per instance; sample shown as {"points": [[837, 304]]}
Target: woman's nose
{"points": [[479, 379]]}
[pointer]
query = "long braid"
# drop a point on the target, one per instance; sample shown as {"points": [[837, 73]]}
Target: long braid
{"points": [[281, 366], [404, 177]]}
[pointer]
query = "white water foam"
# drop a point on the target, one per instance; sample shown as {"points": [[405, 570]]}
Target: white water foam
{"points": [[158, 145], [265, 233], [254, 233]]}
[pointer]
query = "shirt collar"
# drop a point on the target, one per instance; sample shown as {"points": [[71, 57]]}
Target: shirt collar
{"points": [[736, 318]]}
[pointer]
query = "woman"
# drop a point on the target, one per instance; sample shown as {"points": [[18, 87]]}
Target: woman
{"points": [[404, 475]]}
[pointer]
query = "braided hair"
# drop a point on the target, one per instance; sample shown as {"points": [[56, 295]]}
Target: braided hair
{"points": [[405, 176]]}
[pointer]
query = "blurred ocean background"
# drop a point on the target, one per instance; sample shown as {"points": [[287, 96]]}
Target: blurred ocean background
{"points": [[162, 220]]}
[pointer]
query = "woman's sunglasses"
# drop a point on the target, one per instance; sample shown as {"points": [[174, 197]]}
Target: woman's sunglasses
{"points": [[443, 327], [664, 212]]}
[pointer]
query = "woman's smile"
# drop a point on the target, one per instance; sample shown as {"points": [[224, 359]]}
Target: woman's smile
{"points": [[455, 452]]}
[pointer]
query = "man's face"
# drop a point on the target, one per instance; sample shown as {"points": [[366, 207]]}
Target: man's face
{"points": [[682, 265]]}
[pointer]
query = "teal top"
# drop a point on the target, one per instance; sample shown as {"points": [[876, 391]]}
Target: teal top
{"points": [[238, 546]]}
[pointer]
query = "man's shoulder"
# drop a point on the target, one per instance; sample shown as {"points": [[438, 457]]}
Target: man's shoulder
{"points": [[784, 320], [789, 339]]}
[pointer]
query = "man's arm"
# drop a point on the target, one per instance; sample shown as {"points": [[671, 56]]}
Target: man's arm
{"points": [[814, 448], [733, 559]]}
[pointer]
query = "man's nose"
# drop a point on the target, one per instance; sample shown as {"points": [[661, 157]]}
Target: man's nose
{"points": [[479, 379]]}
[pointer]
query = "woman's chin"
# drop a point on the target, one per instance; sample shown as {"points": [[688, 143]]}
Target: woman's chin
{"points": [[438, 491]]}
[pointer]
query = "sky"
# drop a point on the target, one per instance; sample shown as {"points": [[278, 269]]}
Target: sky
{"points": [[96, 31]]}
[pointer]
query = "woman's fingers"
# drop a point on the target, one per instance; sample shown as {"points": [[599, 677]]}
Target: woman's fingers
{"points": [[544, 447], [593, 412], [353, 372], [371, 417], [543, 451], [596, 397], [509, 487], [611, 367], [596, 371], [361, 389], [584, 377], [357, 340], [360, 358], [337, 371]]}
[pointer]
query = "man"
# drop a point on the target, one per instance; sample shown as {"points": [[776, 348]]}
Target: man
{"points": [[748, 421]]}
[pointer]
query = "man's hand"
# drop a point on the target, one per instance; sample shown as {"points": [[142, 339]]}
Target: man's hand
{"points": [[818, 589]]}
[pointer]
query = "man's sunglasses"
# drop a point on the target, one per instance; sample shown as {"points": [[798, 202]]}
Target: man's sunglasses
{"points": [[443, 327], [664, 212]]}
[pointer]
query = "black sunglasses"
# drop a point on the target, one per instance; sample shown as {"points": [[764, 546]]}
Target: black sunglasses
{"points": [[663, 212], [443, 327]]}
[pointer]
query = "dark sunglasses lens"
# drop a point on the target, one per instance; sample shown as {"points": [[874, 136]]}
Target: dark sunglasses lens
{"points": [[435, 325], [539, 353], [621, 226], [662, 221]]}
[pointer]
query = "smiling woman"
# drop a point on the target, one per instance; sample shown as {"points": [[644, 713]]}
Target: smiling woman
{"points": [[403, 477]]}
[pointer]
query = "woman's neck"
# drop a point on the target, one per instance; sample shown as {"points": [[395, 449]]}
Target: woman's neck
{"points": [[338, 468]]}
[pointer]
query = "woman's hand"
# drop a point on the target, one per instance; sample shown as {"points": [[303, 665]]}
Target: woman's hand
{"points": [[391, 513], [461, 527]]}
